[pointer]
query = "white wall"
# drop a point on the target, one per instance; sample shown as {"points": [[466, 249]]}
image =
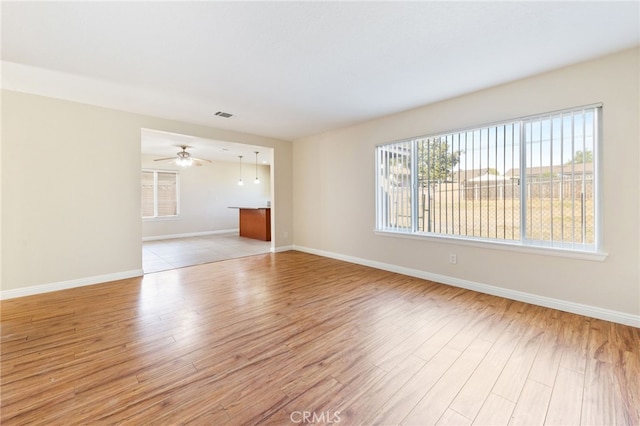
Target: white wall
{"points": [[206, 193], [71, 190], [334, 195]]}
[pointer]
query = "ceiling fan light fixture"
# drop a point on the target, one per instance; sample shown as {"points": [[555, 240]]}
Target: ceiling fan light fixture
{"points": [[184, 162], [184, 158]]}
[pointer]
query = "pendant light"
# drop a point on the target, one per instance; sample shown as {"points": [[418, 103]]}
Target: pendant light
{"points": [[240, 183], [257, 180]]}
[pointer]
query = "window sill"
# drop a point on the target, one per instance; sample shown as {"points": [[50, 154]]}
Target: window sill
{"points": [[160, 218], [499, 245]]}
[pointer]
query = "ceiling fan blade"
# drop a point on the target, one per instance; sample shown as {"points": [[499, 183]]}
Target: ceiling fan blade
{"points": [[165, 159], [201, 160]]}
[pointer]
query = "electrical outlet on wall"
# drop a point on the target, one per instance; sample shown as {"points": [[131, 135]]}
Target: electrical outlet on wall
{"points": [[453, 259]]}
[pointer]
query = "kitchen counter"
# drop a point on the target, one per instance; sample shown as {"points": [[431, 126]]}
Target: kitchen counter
{"points": [[255, 222]]}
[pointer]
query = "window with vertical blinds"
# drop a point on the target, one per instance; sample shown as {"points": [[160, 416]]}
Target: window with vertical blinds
{"points": [[531, 181], [160, 194]]}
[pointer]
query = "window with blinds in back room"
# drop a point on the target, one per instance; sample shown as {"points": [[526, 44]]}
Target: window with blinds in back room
{"points": [[160, 194]]}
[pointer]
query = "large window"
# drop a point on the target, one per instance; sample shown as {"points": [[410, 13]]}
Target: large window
{"points": [[160, 194], [531, 181]]}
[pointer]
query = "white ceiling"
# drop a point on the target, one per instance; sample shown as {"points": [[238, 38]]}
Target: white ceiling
{"points": [[293, 69], [160, 144]]}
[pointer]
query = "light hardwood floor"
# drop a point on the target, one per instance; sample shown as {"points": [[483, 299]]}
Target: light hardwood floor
{"points": [[281, 338]]}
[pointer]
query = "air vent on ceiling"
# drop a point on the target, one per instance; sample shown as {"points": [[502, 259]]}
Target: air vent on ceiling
{"points": [[223, 114]]}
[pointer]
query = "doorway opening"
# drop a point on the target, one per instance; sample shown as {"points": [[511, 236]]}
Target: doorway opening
{"points": [[189, 211]]}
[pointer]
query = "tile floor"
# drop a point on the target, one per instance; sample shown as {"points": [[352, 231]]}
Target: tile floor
{"points": [[161, 255]]}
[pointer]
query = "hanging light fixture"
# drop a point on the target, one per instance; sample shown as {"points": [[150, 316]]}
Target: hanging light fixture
{"points": [[240, 183], [184, 159], [257, 180]]}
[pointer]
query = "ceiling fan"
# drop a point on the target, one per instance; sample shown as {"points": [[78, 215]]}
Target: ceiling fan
{"points": [[184, 159]]}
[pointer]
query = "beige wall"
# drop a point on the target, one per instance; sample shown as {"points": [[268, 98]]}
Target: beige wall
{"points": [[334, 196], [206, 193], [71, 189]]}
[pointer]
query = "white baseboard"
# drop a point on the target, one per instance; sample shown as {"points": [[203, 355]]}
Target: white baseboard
{"points": [[562, 305], [548, 302], [191, 234], [63, 285]]}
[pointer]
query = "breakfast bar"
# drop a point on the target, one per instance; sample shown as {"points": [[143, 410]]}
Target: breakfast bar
{"points": [[255, 222]]}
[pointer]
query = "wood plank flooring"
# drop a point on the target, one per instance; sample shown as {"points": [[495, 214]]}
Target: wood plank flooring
{"points": [[291, 338]]}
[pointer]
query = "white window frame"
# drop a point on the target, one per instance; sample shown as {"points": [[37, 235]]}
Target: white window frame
{"points": [[155, 216], [591, 252]]}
